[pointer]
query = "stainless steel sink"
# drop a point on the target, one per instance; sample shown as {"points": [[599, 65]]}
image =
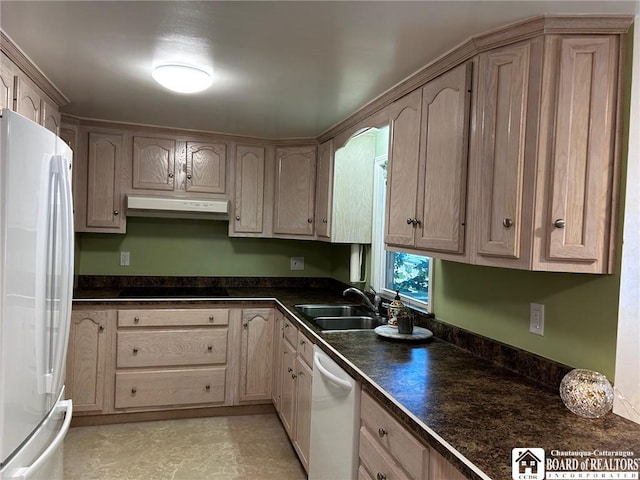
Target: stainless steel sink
{"points": [[317, 310], [358, 322], [339, 317]]}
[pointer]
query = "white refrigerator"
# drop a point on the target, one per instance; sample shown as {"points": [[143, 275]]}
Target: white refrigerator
{"points": [[36, 281]]}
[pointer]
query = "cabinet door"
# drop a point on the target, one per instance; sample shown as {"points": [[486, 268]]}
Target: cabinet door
{"points": [[502, 99], [86, 359], [439, 467], [303, 379], [276, 380], [50, 116], [153, 163], [256, 354], [249, 197], [324, 189], [295, 190], [28, 99], [206, 166], [288, 395], [402, 170], [443, 161], [103, 181], [7, 75], [581, 155]]}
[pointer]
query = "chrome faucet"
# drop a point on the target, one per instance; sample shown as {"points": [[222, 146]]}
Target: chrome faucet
{"points": [[374, 307]]}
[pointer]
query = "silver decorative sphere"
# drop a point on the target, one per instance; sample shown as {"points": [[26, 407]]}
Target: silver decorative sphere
{"points": [[586, 393]]}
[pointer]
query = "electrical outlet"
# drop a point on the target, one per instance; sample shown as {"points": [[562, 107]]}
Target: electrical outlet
{"points": [[124, 259], [536, 318], [297, 263]]}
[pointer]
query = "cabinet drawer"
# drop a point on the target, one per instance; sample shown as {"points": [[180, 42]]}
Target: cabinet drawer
{"points": [[305, 348], [169, 387], [290, 332], [377, 461], [388, 433], [173, 317], [171, 347]]}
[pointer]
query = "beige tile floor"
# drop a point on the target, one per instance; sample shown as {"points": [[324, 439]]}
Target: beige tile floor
{"points": [[241, 447]]}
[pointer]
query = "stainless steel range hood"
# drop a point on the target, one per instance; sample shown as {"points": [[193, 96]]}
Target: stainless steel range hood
{"points": [[169, 207]]}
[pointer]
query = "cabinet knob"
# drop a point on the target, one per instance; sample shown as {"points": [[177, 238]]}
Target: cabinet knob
{"points": [[507, 223], [293, 375], [134, 390], [210, 348], [409, 221], [245, 325], [116, 212], [286, 325], [381, 476], [136, 319], [309, 220], [302, 342], [170, 175], [238, 218], [289, 369], [560, 223], [417, 222], [381, 432], [207, 387], [188, 177], [324, 220], [101, 328], [135, 351], [211, 318]]}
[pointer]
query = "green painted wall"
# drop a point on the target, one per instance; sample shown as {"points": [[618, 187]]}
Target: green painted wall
{"points": [[190, 247], [581, 310]]}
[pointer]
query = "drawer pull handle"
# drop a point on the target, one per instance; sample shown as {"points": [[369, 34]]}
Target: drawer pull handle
{"points": [[207, 387], [134, 390], [135, 351], [210, 348], [136, 319], [382, 432], [211, 318], [381, 476]]}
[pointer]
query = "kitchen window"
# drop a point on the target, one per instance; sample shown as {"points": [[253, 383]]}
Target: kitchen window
{"points": [[409, 274]]}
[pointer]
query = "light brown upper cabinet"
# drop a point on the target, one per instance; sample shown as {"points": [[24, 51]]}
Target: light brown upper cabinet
{"points": [[294, 207], [402, 170], [545, 188], [324, 189], [102, 211], [153, 163], [442, 178], [7, 74], [205, 166], [249, 194], [509, 80], [426, 186], [28, 99]]}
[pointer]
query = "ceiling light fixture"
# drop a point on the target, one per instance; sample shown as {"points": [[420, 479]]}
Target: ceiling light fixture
{"points": [[182, 78]]}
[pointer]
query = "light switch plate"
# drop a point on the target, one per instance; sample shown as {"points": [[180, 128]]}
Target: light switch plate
{"points": [[297, 263], [536, 318], [124, 259]]}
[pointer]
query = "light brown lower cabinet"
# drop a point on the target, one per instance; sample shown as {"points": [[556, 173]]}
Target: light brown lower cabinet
{"points": [[87, 355], [295, 377], [388, 451]]}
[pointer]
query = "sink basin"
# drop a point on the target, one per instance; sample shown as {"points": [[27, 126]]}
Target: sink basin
{"points": [[353, 322], [316, 310], [339, 317]]}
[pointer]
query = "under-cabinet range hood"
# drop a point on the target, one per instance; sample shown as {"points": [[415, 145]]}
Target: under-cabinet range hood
{"points": [[168, 207]]}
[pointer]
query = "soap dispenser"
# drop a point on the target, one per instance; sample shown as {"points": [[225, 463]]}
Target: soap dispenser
{"points": [[395, 307]]}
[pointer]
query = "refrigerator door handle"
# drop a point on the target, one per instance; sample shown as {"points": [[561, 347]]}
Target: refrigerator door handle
{"points": [[26, 473]]}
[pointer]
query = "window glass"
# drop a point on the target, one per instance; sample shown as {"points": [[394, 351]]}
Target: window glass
{"points": [[408, 274]]}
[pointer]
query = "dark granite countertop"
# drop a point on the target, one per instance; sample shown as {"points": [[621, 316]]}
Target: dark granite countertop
{"points": [[472, 411]]}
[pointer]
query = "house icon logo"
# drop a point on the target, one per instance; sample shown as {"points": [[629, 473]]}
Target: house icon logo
{"points": [[527, 463]]}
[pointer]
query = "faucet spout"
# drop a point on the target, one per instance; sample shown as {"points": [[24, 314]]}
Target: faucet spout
{"points": [[364, 298]]}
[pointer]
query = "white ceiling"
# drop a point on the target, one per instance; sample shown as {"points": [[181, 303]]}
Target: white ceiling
{"points": [[282, 69]]}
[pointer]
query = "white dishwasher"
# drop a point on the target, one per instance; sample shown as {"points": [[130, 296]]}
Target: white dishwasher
{"points": [[335, 421]]}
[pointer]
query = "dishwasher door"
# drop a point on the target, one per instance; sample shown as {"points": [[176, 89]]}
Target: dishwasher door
{"points": [[335, 421]]}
